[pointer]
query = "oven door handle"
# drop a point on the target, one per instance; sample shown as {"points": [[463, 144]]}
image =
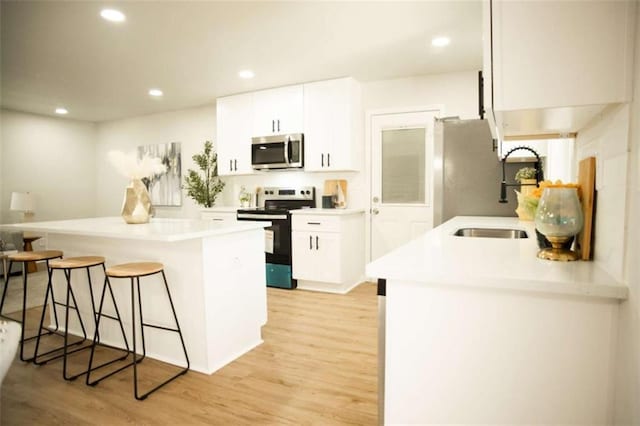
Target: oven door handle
{"points": [[286, 149], [262, 216]]}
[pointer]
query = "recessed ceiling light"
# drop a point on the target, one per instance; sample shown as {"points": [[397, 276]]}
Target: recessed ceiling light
{"points": [[440, 41], [246, 74], [155, 92], [112, 15], [61, 111]]}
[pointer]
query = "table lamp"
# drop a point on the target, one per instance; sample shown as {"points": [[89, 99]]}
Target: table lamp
{"points": [[24, 202]]}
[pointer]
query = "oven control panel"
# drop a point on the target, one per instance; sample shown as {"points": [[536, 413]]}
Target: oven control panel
{"points": [[299, 193]]}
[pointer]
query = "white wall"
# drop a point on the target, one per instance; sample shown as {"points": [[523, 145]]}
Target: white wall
{"points": [[54, 159], [627, 409], [191, 127], [457, 92]]}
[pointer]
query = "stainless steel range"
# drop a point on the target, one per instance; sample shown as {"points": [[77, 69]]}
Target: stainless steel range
{"points": [[278, 202]]}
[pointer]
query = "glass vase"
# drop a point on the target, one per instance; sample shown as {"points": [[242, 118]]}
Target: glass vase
{"points": [[559, 218]]}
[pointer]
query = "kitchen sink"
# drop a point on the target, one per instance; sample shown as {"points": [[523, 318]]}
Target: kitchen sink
{"points": [[491, 233]]}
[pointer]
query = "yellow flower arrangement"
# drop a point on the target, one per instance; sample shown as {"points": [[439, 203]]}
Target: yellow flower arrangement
{"points": [[527, 204]]}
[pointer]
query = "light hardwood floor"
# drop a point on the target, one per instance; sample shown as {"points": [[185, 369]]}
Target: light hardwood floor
{"points": [[317, 365]]}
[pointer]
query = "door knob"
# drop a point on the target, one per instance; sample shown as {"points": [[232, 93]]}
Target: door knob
{"points": [[375, 211]]}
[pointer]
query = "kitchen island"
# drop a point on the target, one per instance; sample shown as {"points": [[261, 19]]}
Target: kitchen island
{"points": [[479, 330], [215, 273]]}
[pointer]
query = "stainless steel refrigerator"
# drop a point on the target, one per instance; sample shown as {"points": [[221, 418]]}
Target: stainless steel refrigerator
{"points": [[467, 172]]}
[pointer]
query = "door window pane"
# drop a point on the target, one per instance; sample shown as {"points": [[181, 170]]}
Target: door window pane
{"points": [[403, 166]]}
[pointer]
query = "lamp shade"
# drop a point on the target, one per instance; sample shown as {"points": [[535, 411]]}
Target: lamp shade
{"points": [[22, 201]]}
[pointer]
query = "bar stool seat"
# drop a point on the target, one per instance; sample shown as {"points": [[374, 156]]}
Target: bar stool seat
{"points": [[76, 262], [138, 269], [24, 257], [34, 256], [134, 271], [67, 265]]}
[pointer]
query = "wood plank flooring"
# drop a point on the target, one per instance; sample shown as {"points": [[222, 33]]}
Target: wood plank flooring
{"points": [[317, 365]]}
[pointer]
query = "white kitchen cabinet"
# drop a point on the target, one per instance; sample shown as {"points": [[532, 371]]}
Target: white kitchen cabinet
{"points": [[328, 249], [278, 111], [234, 115], [550, 67], [222, 214], [333, 125], [318, 256]]}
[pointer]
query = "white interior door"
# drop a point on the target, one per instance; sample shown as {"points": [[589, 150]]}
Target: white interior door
{"points": [[401, 178]]}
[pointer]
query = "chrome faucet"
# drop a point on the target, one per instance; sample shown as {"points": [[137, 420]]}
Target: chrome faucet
{"points": [[503, 184]]}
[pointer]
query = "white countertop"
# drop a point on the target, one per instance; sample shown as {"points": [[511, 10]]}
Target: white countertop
{"points": [[328, 212], [156, 230], [440, 258]]}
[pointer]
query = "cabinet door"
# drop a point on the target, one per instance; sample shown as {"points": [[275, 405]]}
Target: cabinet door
{"points": [[329, 124], [278, 111], [560, 54], [317, 256], [328, 256], [303, 256], [234, 114]]}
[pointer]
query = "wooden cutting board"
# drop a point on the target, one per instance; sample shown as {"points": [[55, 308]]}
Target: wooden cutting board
{"points": [[587, 182], [331, 188]]}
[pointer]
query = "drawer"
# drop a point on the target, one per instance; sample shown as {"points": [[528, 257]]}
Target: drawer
{"points": [[316, 223], [219, 216]]}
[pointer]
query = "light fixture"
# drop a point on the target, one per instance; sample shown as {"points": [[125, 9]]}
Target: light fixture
{"points": [[61, 111], [24, 202], [440, 41], [112, 15], [155, 92], [246, 74]]}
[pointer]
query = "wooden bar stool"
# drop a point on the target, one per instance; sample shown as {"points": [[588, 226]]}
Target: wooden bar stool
{"points": [[67, 266], [24, 257], [134, 271]]}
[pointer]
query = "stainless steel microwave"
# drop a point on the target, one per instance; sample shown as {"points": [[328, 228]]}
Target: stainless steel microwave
{"points": [[277, 152]]}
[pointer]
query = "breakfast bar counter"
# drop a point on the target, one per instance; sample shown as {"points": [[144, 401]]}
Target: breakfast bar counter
{"points": [[215, 273]]}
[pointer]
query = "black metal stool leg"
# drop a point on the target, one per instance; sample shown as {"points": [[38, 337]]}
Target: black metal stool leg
{"points": [[7, 274], [96, 338]]}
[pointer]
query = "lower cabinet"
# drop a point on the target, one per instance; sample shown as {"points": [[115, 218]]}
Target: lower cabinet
{"points": [[328, 249]]}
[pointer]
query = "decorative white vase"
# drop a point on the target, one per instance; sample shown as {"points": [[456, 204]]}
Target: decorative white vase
{"points": [[136, 206]]}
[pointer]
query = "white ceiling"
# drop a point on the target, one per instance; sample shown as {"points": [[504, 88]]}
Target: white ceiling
{"points": [[57, 53]]}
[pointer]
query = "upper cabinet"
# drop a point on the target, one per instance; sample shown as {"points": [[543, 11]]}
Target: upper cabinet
{"points": [[233, 115], [278, 111], [549, 67], [333, 125]]}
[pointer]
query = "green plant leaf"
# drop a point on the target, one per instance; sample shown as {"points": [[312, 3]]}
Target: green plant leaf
{"points": [[204, 188]]}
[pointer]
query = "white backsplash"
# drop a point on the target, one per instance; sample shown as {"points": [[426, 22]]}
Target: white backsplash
{"points": [[607, 139], [355, 190]]}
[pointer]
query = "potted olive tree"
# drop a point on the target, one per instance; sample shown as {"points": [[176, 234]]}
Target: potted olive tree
{"points": [[205, 187]]}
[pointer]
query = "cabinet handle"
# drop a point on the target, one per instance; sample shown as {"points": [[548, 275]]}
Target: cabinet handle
{"points": [[217, 219], [278, 125], [313, 223], [235, 165], [322, 160], [273, 126], [230, 165], [317, 243], [310, 242], [328, 160]]}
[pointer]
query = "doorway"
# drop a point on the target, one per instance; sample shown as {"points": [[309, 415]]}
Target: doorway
{"points": [[401, 178]]}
